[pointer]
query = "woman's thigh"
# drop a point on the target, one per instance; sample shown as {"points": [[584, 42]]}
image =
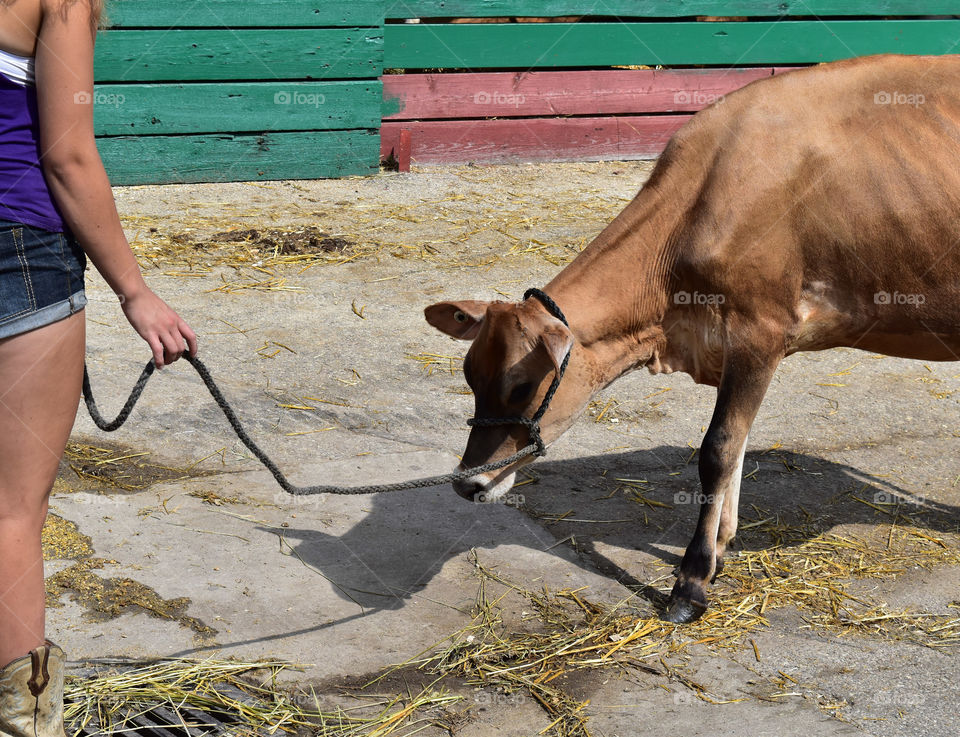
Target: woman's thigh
{"points": [[41, 374]]}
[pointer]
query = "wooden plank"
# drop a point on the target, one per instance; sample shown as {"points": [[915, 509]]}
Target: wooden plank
{"points": [[234, 14], [179, 56], [533, 139], [225, 158], [403, 151], [471, 46], [255, 107], [529, 94], [664, 8]]}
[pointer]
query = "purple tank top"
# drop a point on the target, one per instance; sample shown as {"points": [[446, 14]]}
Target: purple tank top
{"points": [[24, 195]]}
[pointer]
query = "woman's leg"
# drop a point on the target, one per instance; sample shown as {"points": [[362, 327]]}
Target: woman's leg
{"points": [[41, 374]]}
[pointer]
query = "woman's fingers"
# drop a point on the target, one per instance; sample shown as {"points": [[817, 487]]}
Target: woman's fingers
{"points": [[161, 327], [172, 345], [191, 337], [156, 347]]}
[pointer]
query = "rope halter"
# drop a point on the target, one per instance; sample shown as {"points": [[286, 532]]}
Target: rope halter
{"points": [[533, 423]]}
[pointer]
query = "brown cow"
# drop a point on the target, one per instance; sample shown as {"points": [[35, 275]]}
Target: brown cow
{"points": [[816, 209]]}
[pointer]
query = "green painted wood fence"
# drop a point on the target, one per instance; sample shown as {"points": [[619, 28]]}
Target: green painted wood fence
{"points": [[221, 90], [231, 90]]}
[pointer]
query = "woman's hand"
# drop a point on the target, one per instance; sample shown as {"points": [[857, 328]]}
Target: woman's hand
{"points": [[164, 330]]}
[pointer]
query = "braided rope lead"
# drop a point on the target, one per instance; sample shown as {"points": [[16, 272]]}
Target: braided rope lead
{"points": [[536, 447]]}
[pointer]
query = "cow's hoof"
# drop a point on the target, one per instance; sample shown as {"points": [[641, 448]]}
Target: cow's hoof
{"points": [[688, 602], [682, 611]]}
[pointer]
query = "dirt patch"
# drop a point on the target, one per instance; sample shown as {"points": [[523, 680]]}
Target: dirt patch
{"points": [[281, 242], [111, 468], [307, 240], [108, 598]]}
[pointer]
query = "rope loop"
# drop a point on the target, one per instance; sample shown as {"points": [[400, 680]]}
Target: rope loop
{"points": [[536, 447]]}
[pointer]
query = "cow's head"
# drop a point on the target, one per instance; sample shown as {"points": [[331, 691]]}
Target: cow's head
{"points": [[517, 350]]}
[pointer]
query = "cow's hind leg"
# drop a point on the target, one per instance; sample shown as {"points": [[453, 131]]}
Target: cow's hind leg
{"points": [[747, 371]]}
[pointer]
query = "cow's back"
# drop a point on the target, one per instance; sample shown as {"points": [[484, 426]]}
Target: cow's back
{"points": [[822, 190]]}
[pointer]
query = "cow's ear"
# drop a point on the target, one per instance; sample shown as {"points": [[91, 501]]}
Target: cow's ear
{"points": [[460, 320], [557, 340]]}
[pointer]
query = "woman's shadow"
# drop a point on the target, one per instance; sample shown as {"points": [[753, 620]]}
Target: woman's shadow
{"points": [[644, 500]]}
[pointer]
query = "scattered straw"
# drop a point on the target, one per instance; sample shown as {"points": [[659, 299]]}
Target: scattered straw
{"points": [[172, 692], [457, 231], [814, 573], [431, 362]]}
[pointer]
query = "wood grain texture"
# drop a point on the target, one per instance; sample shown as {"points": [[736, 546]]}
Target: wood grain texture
{"points": [[230, 158], [245, 54], [533, 139], [528, 94], [237, 107], [237, 14], [544, 45]]}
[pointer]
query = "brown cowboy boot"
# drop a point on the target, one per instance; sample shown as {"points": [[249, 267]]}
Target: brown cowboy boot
{"points": [[31, 694]]}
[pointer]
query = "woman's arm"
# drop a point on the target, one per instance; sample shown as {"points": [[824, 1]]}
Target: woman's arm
{"points": [[75, 174]]}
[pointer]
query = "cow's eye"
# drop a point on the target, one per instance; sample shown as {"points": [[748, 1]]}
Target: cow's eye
{"points": [[521, 392]]}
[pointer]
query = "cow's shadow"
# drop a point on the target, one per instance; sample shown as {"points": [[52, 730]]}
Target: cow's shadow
{"points": [[394, 552]]}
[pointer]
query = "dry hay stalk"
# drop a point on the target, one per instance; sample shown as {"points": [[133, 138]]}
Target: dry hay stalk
{"points": [[431, 362], [114, 700]]}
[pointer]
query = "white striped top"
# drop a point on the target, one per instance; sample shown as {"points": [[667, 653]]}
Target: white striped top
{"points": [[18, 69]]}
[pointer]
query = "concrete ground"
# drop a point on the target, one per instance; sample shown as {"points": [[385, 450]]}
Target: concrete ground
{"points": [[335, 372]]}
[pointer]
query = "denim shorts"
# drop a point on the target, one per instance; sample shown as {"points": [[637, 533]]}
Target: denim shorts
{"points": [[41, 278]]}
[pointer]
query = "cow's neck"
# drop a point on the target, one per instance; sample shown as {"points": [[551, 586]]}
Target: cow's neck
{"points": [[615, 293]]}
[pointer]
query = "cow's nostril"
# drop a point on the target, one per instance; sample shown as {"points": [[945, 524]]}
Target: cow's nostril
{"points": [[469, 489]]}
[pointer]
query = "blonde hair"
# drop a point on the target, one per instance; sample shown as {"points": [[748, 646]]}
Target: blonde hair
{"points": [[96, 10]]}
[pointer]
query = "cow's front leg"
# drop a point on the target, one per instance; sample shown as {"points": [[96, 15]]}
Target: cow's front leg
{"points": [[742, 387], [727, 529]]}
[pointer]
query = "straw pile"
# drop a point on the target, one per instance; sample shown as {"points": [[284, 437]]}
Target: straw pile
{"points": [[816, 576], [179, 691]]}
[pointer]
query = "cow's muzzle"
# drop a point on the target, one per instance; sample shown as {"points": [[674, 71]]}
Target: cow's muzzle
{"points": [[484, 488]]}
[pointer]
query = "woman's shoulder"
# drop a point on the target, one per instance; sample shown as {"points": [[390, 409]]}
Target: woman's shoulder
{"points": [[19, 25]]}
